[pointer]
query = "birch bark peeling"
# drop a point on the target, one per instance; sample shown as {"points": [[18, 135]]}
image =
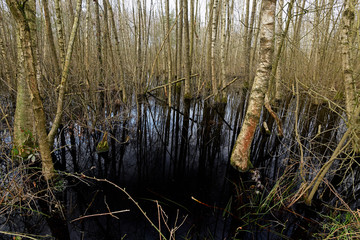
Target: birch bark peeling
{"points": [[240, 157]]}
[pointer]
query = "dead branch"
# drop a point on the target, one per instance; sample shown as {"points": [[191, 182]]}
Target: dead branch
{"points": [[211, 95]]}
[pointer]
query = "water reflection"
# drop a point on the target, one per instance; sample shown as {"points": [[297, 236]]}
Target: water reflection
{"points": [[172, 156]]}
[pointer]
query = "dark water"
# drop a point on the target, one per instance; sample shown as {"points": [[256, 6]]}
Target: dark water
{"points": [[178, 159], [172, 156]]}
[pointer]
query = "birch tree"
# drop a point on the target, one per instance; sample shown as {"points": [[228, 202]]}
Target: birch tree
{"points": [[240, 157], [349, 81], [222, 49]]}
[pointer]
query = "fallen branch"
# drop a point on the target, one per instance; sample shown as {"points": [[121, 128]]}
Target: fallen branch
{"points": [[167, 84], [173, 108], [211, 95], [275, 116]]}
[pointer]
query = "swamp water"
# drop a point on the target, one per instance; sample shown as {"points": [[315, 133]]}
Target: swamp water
{"points": [[178, 159]]}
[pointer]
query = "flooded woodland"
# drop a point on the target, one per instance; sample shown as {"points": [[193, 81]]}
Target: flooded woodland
{"points": [[179, 119]]}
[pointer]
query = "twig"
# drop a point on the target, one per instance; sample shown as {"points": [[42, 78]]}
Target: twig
{"points": [[99, 214], [5, 116], [130, 198], [159, 219], [22, 235]]}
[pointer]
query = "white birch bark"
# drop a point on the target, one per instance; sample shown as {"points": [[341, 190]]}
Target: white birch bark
{"points": [[240, 157], [222, 49]]}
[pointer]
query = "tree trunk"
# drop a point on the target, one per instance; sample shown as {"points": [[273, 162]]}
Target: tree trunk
{"points": [[118, 50], [213, 43], [246, 48], [64, 75], [60, 33], [254, 50], [50, 38], [222, 49], [24, 117], [5, 61], [275, 82], [187, 69], [179, 40], [87, 45], [279, 89], [349, 81], [19, 15], [138, 50], [240, 157], [209, 35], [248, 42], [169, 61], [314, 54]]}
